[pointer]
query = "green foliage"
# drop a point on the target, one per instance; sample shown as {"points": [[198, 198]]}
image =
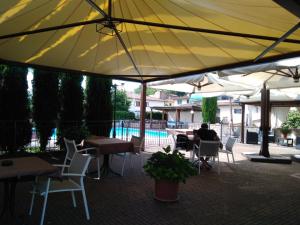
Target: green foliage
{"points": [[293, 119], [71, 107], [33, 149], [98, 107], [155, 115], [209, 109], [123, 115], [15, 127], [44, 104], [285, 128], [149, 90], [73, 133], [169, 165], [122, 101]]}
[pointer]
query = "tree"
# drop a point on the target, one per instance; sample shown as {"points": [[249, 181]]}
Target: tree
{"points": [[209, 109], [45, 104], [122, 101], [293, 119], [71, 108], [98, 107], [149, 91], [15, 129]]}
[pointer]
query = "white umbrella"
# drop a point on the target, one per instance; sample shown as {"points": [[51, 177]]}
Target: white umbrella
{"points": [[207, 84]]}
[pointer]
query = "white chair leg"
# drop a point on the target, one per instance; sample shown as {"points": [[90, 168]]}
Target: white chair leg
{"points": [[233, 158], [33, 195], [123, 166], [227, 157], [98, 167], [130, 159], [85, 203], [199, 161], [218, 165], [45, 201], [73, 199]]}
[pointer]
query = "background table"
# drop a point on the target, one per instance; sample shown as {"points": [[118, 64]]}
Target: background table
{"points": [[106, 146]]}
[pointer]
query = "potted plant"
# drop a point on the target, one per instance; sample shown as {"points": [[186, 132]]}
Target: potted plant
{"points": [[285, 130], [168, 169]]}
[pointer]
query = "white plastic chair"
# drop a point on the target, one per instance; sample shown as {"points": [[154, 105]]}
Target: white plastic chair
{"points": [[74, 182], [207, 149], [71, 148], [138, 145], [229, 148]]}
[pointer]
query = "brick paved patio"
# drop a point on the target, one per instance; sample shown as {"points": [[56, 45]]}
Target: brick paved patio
{"points": [[244, 193]]}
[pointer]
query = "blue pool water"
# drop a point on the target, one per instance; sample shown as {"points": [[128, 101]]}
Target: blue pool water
{"points": [[127, 132], [135, 131]]}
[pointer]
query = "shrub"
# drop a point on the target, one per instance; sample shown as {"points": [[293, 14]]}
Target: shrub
{"points": [[167, 165]]}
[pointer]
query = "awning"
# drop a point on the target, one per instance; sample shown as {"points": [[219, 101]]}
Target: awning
{"points": [[145, 40], [274, 75], [208, 85]]}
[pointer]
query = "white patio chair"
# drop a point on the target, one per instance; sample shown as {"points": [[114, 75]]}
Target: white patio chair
{"points": [[207, 149], [71, 148], [229, 148], [138, 145], [74, 182]]}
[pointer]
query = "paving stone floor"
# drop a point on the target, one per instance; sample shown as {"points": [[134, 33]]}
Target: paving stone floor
{"points": [[244, 193]]}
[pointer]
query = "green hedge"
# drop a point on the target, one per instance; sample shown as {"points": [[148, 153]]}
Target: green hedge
{"points": [[155, 115], [124, 115]]}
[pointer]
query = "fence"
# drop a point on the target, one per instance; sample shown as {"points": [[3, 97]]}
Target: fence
{"points": [[155, 133]]}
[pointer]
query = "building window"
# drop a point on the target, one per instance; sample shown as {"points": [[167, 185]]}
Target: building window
{"points": [[147, 104], [237, 111], [179, 101], [218, 110], [137, 103]]}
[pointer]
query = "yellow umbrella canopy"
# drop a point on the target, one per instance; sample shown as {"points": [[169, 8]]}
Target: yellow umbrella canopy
{"points": [[145, 40]]}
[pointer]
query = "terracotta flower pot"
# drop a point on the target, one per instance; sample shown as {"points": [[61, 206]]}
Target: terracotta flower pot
{"points": [[166, 191]]}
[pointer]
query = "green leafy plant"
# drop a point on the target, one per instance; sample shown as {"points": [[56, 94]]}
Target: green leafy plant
{"points": [[170, 166], [285, 128], [293, 119]]}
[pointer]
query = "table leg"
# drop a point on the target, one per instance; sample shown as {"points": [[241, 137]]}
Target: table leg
{"points": [[9, 197], [5, 198], [105, 168]]}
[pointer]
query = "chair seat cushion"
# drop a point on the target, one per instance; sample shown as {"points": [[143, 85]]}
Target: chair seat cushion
{"points": [[58, 186]]}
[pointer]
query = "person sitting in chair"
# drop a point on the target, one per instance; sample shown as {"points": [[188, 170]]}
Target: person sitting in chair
{"points": [[208, 135]]}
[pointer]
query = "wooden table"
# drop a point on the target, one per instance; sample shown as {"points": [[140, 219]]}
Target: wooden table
{"points": [[106, 146], [21, 167]]}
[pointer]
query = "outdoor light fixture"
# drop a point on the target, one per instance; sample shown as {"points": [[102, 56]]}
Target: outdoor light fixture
{"points": [[107, 27], [192, 111]]}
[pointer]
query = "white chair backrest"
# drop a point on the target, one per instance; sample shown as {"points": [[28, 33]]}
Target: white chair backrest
{"points": [[138, 143], [79, 165], [71, 148], [229, 144], [209, 148]]}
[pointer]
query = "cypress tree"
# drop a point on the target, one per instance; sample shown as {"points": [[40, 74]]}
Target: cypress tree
{"points": [[209, 109], [14, 111], [98, 107], [45, 104], [71, 108]]}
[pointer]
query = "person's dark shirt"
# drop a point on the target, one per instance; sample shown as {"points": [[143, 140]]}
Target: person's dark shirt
{"points": [[208, 135]]}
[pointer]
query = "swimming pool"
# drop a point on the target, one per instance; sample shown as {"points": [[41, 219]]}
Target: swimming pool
{"points": [[135, 131], [127, 132]]}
